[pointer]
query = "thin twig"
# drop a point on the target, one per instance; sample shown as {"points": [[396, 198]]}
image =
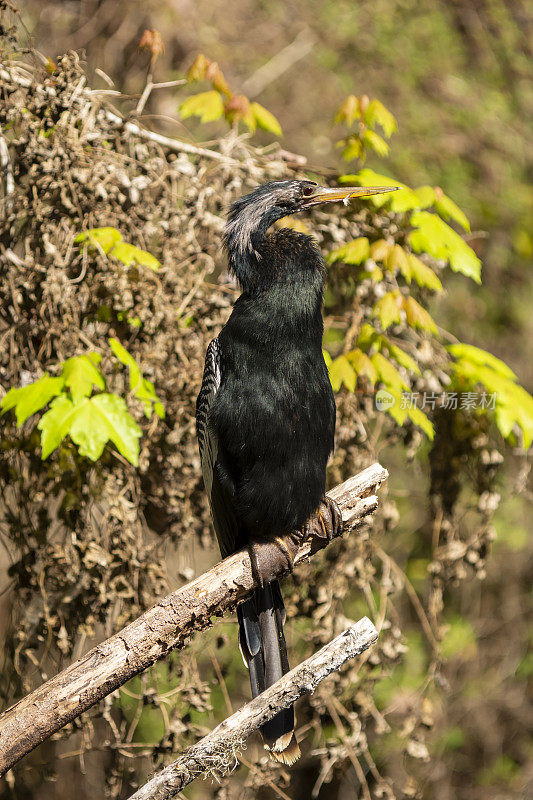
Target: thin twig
{"points": [[7, 168], [411, 593], [149, 88], [216, 752]]}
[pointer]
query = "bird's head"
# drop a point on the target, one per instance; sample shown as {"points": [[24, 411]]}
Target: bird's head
{"points": [[251, 215]]}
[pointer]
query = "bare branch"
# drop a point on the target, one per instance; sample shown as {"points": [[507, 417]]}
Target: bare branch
{"points": [[216, 752], [280, 63], [7, 169], [166, 141], [166, 626]]}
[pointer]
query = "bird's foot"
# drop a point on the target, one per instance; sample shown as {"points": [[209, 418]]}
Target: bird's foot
{"points": [[270, 557], [326, 522]]}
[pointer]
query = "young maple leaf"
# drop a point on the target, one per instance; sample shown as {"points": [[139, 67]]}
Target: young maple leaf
{"points": [[152, 41]]}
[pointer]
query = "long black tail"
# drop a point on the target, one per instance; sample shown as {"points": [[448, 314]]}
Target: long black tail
{"points": [[264, 649]]}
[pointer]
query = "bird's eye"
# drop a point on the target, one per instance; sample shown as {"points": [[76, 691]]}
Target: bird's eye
{"points": [[308, 191]]}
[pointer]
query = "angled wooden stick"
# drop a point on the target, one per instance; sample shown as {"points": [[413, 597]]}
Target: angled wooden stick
{"points": [[216, 752], [164, 627]]}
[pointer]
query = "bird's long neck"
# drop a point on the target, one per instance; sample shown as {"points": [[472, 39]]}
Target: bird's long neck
{"points": [[283, 285]]}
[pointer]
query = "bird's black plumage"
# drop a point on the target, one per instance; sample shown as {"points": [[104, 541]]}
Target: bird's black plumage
{"points": [[266, 411]]}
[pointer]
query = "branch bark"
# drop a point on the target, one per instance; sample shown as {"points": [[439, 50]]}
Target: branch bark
{"points": [[216, 752], [164, 627]]}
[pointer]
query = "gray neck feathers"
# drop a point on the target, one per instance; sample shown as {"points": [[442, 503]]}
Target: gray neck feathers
{"points": [[246, 226]]}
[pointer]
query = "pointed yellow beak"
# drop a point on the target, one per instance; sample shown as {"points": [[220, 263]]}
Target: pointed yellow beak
{"points": [[345, 193]]}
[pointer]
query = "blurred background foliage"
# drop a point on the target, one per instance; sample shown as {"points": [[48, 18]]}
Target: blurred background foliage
{"points": [[442, 710]]}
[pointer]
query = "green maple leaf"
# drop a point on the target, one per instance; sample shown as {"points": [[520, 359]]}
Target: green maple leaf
{"points": [[55, 424], [142, 388], [423, 274], [342, 372], [362, 364], [101, 419], [27, 400], [403, 358], [450, 210], [206, 105], [475, 355], [388, 374], [376, 112], [353, 252], [434, 236], [81, 374], [91, 423], [265, 119], [387, 309]]}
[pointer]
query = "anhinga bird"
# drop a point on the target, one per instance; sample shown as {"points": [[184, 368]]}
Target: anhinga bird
{"points": [[266, 418]]}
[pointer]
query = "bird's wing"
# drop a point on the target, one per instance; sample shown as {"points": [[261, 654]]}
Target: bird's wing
{"points": [[218, 493]]}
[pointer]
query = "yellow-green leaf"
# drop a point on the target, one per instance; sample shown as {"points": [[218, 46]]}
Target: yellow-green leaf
{"points": [[421, 420], [387, 309], [141, 387], [367, 336], [379, 250], [425, 196], [27, 400], [342, 372], [145, 259], [81, 374], [349, 111], [376, 143], [265, 119], [423, 274], [418, 317], [409, 199], [197, 70], [129, 254], [55, 424], [362, 364], [388, 373], [397, 260], [404, 200], [208, 106], [376, 112], [376, 275], [449, 210], [106, 238], [435, 237], [104, 418], [403, 358], [478, 356], [354, 252], [353, 149]]}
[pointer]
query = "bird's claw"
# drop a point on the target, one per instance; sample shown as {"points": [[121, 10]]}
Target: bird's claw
{"points": [[326, 522], [271, 557]]}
